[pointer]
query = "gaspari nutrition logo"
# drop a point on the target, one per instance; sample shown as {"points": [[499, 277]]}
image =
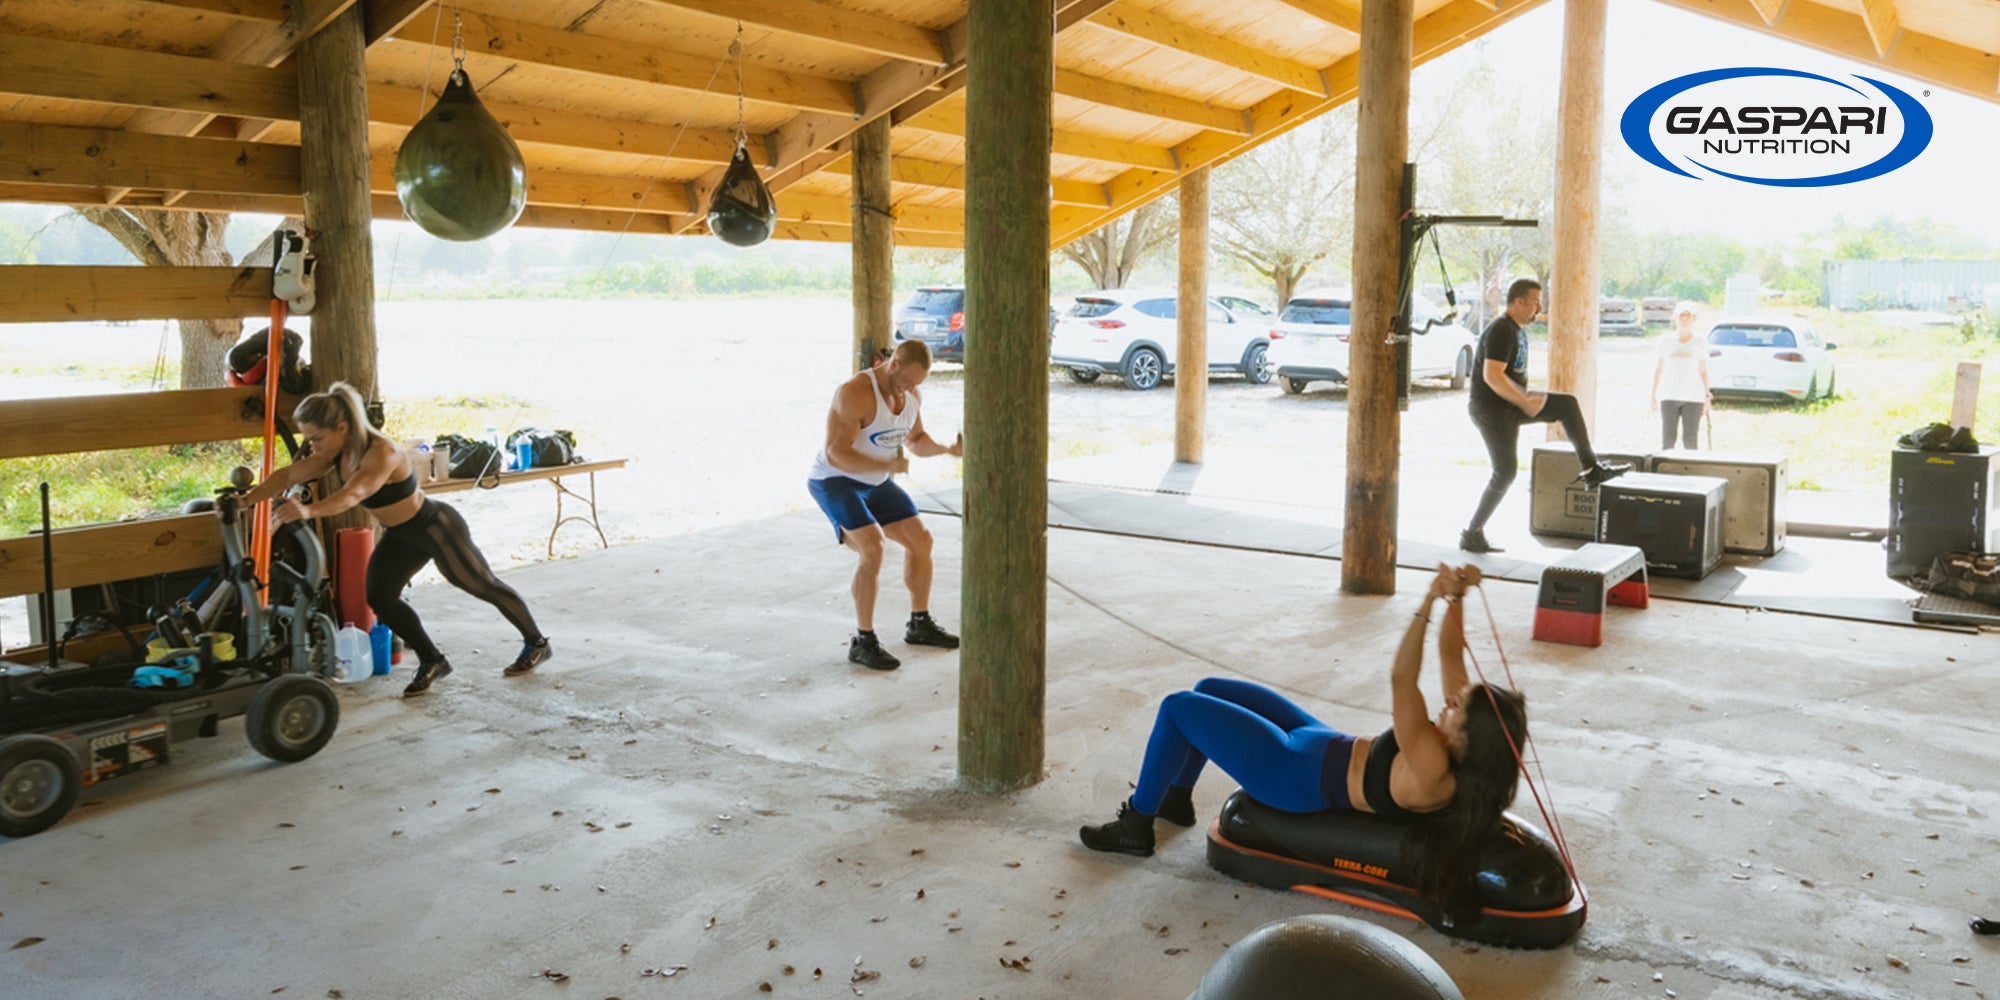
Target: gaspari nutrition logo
{"points": [[1779, 127]]}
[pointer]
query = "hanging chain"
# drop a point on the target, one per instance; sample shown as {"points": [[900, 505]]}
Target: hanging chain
{"points": [[457, 45], [736, 52]]}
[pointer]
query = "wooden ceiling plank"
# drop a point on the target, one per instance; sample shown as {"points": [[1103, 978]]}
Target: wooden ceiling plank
{"points": [[60, 154], [824, 22], [595, 54], [941, 176], [1882, 22], [1342, 15], [267, 12], [1438, 32], [396, 106], [48, 67], [796, 205], [1966, 69], [1770, 10], [1083, 145], [1159, 29], [386, 17], [1151, 103]]}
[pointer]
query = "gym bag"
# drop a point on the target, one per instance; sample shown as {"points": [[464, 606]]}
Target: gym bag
{"points": [[471, 458], [1972, 575], [552, 449]]}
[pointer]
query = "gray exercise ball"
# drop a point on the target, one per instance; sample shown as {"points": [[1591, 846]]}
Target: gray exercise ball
{"points": [[1324, 957], [459, 174]]}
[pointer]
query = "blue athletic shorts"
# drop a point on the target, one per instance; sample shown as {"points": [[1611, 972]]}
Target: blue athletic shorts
{"points": [[852, 504]]}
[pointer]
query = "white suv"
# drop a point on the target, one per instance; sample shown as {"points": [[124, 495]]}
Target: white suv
{"points": [[1132, 333], [1309, 342]]}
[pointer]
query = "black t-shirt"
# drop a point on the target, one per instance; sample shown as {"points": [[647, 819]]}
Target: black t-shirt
{"points": [[1502, 341]]}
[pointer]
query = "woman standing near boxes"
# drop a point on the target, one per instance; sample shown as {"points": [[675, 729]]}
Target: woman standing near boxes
{"points": [[1680, 380], [381, 477]]}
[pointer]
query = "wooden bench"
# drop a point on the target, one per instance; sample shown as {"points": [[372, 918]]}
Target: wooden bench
{"points": [[1575, 590], [554, 476]]}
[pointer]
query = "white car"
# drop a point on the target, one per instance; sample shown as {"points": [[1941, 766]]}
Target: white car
{"points": [[1769, 358], [1309, 342], [1132, 333]]}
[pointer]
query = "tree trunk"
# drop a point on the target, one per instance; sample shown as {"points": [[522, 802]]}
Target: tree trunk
{"points": [[160, 238]]}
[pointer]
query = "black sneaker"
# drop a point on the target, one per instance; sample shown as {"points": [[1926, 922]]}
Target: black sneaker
{"points": [[533, 654], [1474, 540], [1131, 833], [426, 674], [926, 632], [1178, 807], [1603, 472], [868, 651]]}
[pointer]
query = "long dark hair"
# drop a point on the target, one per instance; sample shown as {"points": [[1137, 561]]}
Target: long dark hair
{"points": [[1442, 853]]}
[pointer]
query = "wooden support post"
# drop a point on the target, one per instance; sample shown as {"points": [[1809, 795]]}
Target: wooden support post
{"points": [[1965, 394], [874, 243], [1191, 380], [1374, 427], [333, 140], [1001, 666], [1573, 283]]}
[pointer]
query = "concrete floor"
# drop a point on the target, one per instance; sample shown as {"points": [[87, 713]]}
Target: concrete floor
{"points": [[1762, 805]]}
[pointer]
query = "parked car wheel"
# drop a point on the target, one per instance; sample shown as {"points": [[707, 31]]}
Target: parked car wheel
{"points": [[39, 782], [1084, 375], [1143, 369], [1830, 379], [1461, 370], [1292, 385], [1253, 365], [1812, 390]]}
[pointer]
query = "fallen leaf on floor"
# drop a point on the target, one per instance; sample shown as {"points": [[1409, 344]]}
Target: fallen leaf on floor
{"points": [[771, 945], [763, 987], [817, 973], [602, 889], [472, 809], [709, 925], [334, 994], [551, 975], [789, 970], [1897, 963], [297, 868], [1017, 964], [1175, 951], [592, 827], [1062, 893], [511, 861], [493, 791], [625, 824], [551, 887], [506, 892], [1930, 836], [864, 975], [876, 920], [625, 949], [286, 826], [819, 883], [920, 894], [917, 962], [953, 914], [914, 851], [395, 833], [1013, 864]]}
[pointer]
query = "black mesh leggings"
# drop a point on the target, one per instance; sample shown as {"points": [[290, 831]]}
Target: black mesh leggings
{"points": [[1501, 424], [437, 533]]}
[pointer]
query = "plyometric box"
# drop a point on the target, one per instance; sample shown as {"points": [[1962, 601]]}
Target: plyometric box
{"points": [[1754, 510], [1940, 502], [1559, 503], [1675, 520]]}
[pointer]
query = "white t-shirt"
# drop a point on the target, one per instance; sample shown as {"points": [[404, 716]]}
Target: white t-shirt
{"points": [[1681, 362]]}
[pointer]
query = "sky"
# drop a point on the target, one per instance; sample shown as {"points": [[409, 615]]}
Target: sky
{"points": [[1649, 43]]}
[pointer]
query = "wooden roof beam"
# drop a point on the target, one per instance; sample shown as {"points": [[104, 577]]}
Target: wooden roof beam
{"points": [[558, 48], [402, 106], [838, 209], [109, 158], [386, 17], [267, 12], [1342, 15], [1880, 18], [824, 22], [1083, 145], [1968, 70], [1159, 29], [49, 67], [1151, 103], [941, 176], [1771, 10]]}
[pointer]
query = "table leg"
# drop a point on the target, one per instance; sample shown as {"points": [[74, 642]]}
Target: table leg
{"points": [[590, 504]]}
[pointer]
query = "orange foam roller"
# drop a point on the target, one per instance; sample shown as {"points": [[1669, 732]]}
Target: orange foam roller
{"points": [[350, 591]]}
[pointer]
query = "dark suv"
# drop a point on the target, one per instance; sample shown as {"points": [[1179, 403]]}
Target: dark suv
{"points": [[936, 316]]}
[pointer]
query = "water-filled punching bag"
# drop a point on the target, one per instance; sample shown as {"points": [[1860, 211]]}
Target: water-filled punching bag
{"points": [[459, 174], [742, 212]]}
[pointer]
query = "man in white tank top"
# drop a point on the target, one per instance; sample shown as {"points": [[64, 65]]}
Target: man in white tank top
{"points": [[873, 415]]}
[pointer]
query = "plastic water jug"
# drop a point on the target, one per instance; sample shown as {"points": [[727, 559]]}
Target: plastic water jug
{"points": [[351, 657], [378, 648]]}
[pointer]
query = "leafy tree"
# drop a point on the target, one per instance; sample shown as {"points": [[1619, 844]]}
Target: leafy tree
{"points": [[1285, 206], [1111, 253]]}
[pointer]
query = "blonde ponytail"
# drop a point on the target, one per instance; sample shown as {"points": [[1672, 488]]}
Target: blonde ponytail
{"points": [[341, 404]]}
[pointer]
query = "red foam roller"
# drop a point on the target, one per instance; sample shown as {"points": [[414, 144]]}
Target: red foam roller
{"points": [[350, 590]]}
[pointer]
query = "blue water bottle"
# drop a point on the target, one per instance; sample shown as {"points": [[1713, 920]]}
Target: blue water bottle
{"points": [[378, 648], [524, 455]]}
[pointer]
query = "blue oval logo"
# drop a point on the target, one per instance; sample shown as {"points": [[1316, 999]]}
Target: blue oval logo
{"points": [[1776, 127]]}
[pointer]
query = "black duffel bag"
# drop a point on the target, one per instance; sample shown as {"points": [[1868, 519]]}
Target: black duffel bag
{"points": [[471, 458], [550, 449]]}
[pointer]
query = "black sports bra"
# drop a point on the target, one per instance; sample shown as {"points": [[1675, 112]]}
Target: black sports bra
{"points": [[401, 489], [1375, 779]]}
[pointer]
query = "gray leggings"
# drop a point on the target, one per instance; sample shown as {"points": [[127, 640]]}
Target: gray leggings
{"points": [[1684, 415]]}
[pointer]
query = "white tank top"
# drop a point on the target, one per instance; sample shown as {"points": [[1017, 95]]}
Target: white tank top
{"points": [[879, 440]]}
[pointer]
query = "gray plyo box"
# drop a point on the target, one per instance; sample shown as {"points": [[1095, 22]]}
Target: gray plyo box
{"points": [[1558, 504], [1754, 513]]}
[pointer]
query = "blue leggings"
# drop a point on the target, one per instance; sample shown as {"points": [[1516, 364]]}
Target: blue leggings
{"points": [[1270, 746]]}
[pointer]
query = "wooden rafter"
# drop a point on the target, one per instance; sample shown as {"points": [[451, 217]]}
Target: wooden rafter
{"points": [[48, 67], [1882, 22], [260, 11], [46, 293], [1160, 29], [107, 158], [1339, 13], [1944, 63], [1438, 32], [522, 41], [1151, 103], [938, 175], [1771, 10], [386, 17], [402, 106], [839, 209], [1083, 145], [824, 22]]}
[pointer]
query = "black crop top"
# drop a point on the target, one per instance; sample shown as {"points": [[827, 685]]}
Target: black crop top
{"points": [[1375, 779], [401, 489]]}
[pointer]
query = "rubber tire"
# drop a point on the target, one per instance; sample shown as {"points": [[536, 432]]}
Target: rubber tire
{"points": [[1143, 369], [290, 701], [1084, 375], [1812, 389], [1293, 387], [55, 762], [1254, 371], [1461, 369], [1831, 378]]}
